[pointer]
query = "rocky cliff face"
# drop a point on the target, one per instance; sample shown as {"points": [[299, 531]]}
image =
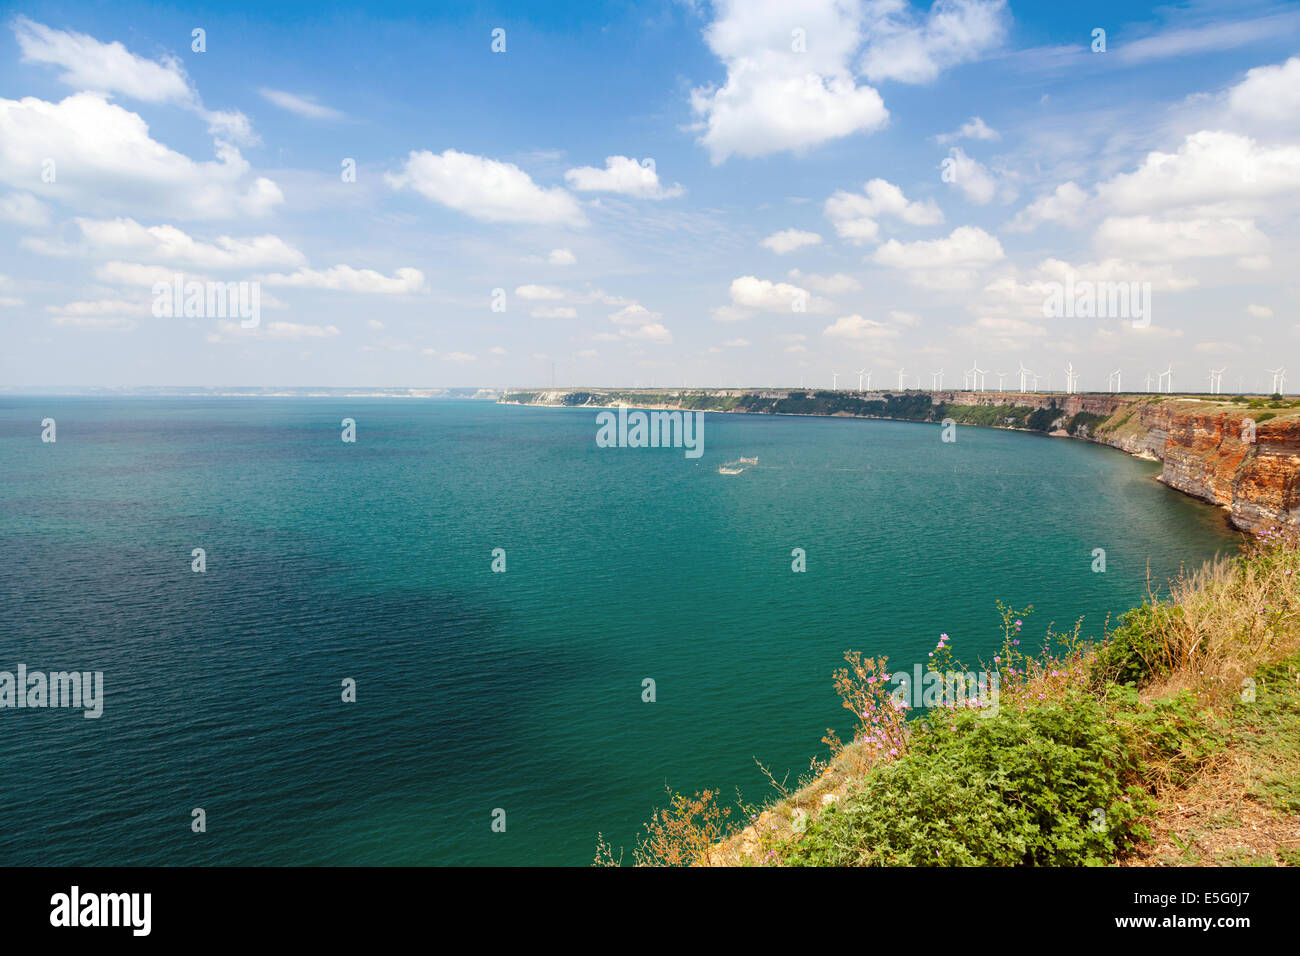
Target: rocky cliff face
{"points": [[1219, 456]]}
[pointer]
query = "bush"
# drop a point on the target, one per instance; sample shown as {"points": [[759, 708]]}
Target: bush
{"points": [[1136, 651], [1047, 786]]}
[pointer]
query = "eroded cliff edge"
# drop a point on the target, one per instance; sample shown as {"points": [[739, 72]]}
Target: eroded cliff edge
{"points": [[1238, 453]]}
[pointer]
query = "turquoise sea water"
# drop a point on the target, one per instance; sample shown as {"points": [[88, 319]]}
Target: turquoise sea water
{"points": [[476, 690]]}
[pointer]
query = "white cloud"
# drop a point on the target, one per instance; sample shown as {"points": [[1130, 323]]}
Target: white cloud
{"points": [[634, 314], [750, 292], [1065, 205], [624, 176], [789, 240], [973, 128], [854, 214], [554, 312], [1147, 238], [776, 97], [540, 293], [1228, 172], [904, 318], [736, 343], [302, 105], [654, 332], [1269, 94], [951, 263], [109, 68], [858, 329], [23, 209], [836, 284], [118, 164], [914, 48], [1210, 37], [1260, 311], [970, 176], [297, 330], [965, 246], [170, 244], [105, 67], [485, 189], [344, 278], [133, 273], [561, 257], [96, 323]]}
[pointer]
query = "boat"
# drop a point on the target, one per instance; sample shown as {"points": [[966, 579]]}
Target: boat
{"points": [[724, 470], [749, 461]]}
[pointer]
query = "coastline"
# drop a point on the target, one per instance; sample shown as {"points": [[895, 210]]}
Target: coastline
{"points": [[1240, 454]]}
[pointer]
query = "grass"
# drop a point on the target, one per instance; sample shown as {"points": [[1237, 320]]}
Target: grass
{"points": [[1173, 740]]}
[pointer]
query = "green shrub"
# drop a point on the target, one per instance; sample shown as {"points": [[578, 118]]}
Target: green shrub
{"points": [[1050, 785], [1135, 651]]}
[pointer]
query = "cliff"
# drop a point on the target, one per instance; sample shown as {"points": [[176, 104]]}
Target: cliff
{"points": [[1230, 452]]}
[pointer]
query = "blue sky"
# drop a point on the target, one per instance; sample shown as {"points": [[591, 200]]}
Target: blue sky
{"points": [[710, 194]]}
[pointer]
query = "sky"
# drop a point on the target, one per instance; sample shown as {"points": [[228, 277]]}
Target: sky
{"points": [[651, 194]]}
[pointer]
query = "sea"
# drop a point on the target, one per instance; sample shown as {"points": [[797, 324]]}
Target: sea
{"points": [[473, 636]]}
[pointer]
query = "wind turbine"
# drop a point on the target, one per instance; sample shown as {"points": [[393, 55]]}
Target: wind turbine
{"points": [[1024, 374], [936, 380], [861, 372], [1216, 380], [1071, 379], [974, 373], [1279, 378], [1002, 377], [868, 381], [1148, 381], [901, 386], [835, 380], [1169, 372], [1115, 381]]}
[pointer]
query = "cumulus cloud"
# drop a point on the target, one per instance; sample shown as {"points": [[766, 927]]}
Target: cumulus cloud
{"points": [[855, 215], [653, 332], [971, 177], [119, 165], [913, 47], [856, 328], [343, 278], [89, 64], [789, 240], [1269, 94], [23, 209], [1149, 238], [1065, 205], [110, 68], [973, 128], [540, 293], [167, 243], [763, 295], [485, 189], [1212, 168], [836, 284], [789, 84], [953, 262], [624, 176], [561, 257]]}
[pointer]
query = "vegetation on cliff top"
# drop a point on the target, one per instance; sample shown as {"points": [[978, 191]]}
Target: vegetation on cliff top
{"points": [[1092, 753]]}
